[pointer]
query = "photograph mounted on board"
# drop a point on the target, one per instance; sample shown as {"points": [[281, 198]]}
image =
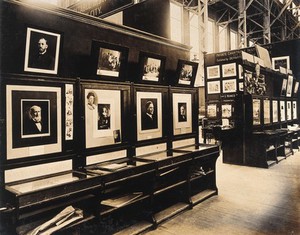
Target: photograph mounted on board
{"points": [[33, 120], [42, 51], [151, 67], [149, 115], [213, 71], [110, 61], [186, 73]]}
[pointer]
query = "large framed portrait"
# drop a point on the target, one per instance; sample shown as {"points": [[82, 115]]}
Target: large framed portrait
{"points": [[213, 87], [282, 110], [149, 115], [229, 86], [213, 71], [229, 70], [34, 120], [42, 51], [281, 61], [289, 86], [186, 73], [267, 111], [109, 61], [102, 117], [182, 113], [151, 68], [295, 114], [275, 117], [256, 111]]}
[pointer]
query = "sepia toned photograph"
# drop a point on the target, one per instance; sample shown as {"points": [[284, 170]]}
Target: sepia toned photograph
{"points": [[109, 62], [296, 88], [34, 120], [282, 111], [226, 110], [275, 117], [256, 111], [182, 113], [229, 86], [229, 70], [289, 86], [214, 87], [289, 110], [267, 111], [42, 51], [186, 72], [295, 114], [212, 110], [281, 61], [213, 71]]}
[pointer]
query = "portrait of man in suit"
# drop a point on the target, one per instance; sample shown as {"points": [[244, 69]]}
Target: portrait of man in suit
{"points": [[35, 120], [182, 112], [149, 114]]}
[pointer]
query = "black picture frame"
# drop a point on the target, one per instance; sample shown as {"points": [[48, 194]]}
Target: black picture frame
{"points": [[42, 51], [186, 73], [151, 68], [27, 135], [109, 61]]}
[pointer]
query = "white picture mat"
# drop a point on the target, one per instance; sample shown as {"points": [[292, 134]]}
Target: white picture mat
{"points": [[212, 110], [229, 86], [14, 153], [214, 87], [289, 86], [226, 110], [152, 133], [267, 111], [289, 110], [187, 125], [275, 111], [93, 136], [213, 71], [256, 111], [282, 110], [27, 50], [229, 70], [295, 114]]}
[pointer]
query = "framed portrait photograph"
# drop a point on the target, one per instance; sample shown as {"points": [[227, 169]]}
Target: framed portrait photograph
{"points": [[214, 87], [226, 110], [149, 115], [281, 61], [34, 120], [267, 111], [282, 110], [229, 70], [256, 111], [42, 51], [102, 117], [289, 86], [296, 88], [212, 111], [283, 87], [275, 117], [109, 61], [288, 110], [229, 86], [295, 115], [213, 71], [186, 73], [182, 113], [151, 68]]}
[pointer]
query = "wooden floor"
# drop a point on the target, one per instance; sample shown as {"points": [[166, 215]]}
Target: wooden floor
{"points": [[250, 201]]}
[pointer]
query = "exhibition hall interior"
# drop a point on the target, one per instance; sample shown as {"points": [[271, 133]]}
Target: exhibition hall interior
{"points": [[149, 117]]}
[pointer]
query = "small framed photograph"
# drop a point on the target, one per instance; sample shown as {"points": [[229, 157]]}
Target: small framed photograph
{"points": [[34, 120], [282, 61], [42, 51], [229, 70], [275, 118], [241, 72], [267, 111], [282, 111], [226, 110], [288, 110], [213, 87], [186, 73], [151, 67], [102, 117], [149, 115], [109, 61], [182, 113], [256, 111], [213, 71], [283, 87], [229, 86], [212, 111], [289, 86], [296, 88], [295, 115]]}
